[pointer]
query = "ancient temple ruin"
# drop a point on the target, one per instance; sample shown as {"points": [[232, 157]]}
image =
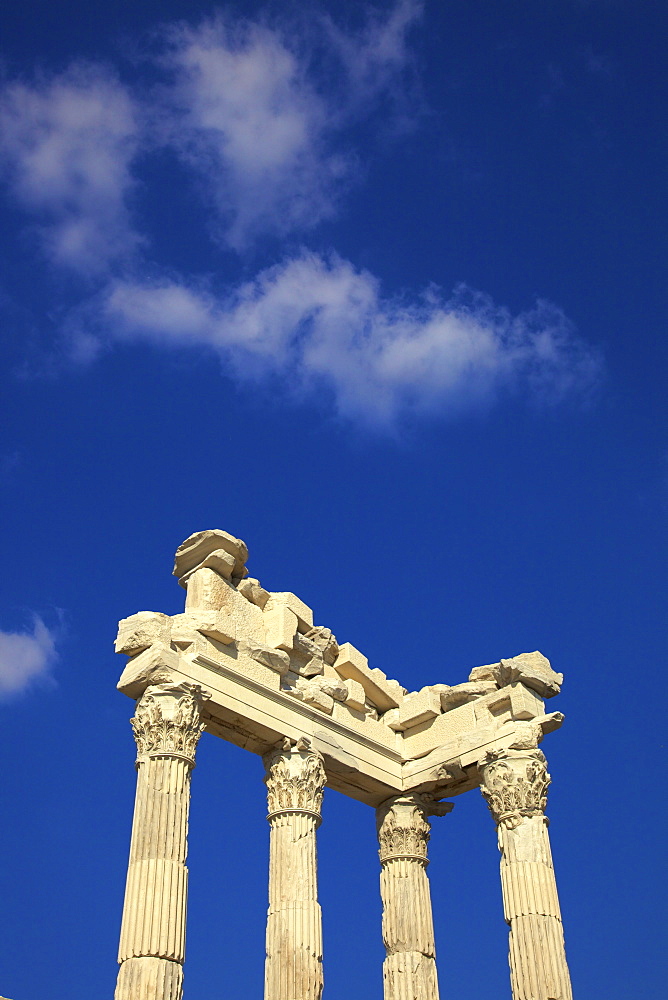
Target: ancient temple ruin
{"points": [[251, 667]]}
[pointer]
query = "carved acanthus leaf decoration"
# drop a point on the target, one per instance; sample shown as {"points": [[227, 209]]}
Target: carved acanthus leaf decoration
{"points": [[168, 720], [403, 827], [515, 785], [295, 777]]}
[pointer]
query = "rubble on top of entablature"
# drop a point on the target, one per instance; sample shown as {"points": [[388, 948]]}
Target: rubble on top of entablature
{"points": [[306, 657], [381, 692], [489, 672], [230, 617], [459, 694], [534, 670], [325, 639], [285, 599], [254, 592], [321, 692], [141, 630], [145, 628], [212, 549], [531, 669]]}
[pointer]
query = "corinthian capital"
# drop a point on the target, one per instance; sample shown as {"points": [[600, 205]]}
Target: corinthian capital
{"points": [[514, 784], [403, 826], [167, 720], [295, 777]]}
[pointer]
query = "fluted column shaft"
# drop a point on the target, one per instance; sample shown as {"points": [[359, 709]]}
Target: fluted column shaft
{"points": [[514, 784], [167, 728], [295, 782], [409, 969]]}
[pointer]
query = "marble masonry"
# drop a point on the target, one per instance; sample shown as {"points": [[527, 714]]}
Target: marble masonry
{"points": [[249, 665]]}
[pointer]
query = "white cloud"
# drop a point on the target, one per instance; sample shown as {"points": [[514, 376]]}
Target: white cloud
{"points": [[321, 323], [257, 119], [375, 57], [257, 111], [25, 657], [66, 144], [246, 104]]}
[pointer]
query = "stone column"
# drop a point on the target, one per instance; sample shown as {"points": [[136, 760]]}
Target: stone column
{"points": [[167, 726], [514, 784], [409, 969], [295, 782]]}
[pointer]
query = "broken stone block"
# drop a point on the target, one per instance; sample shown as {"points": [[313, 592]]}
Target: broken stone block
{"points": [[460, 694], [533, 670], [292, 684], [524, 703], [334, 687], [214, 624], [308, 692], [198, 549], [314, 696], [140, 631], [253, 592], [306, 657], [352, 664], [281, 625], [391, 719], [394, 687], [276, 659], [420, 706], [355, 697], [486, 673], [185, 638], [156, 665], [326, 641], [291, 601]]}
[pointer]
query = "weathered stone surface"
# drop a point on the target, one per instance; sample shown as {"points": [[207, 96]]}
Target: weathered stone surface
{"points": [[272, 676], [460, 694], [157, 665], [206, 588], [277, 659], [200, 546], [295, 778], [356, 697], [326, 641], [291, 601], [249, 654], [486, 673], [281, 626], [514, 785], [314, 695], [216, 624], [391, 718], [352, 664], [167, 726], [306, 658], [309, 691], [253, 592], [409, 970], [334, 687], [419, 706], [140, 631], [534, 670]]}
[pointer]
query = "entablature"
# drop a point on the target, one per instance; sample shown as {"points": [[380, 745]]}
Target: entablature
{"points": [[270, 674]]}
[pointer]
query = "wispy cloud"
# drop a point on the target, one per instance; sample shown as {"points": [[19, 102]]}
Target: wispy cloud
{"points": [[250, 112], [325, 324], [375, 57], [257, 110], [244, 103], [25, 657], [66, 144]]}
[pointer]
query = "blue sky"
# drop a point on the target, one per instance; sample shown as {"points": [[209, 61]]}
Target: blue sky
{"points": [[381, 290]]}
